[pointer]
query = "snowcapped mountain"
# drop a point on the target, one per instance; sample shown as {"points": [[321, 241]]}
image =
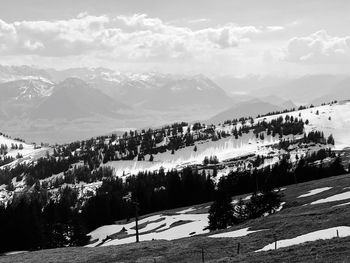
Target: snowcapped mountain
{"points": [[28, 94], [19, 96], [147, 90], [151, 90], [26, 89], [11, 73], [150, 99], [185, 91], [74, 98]]}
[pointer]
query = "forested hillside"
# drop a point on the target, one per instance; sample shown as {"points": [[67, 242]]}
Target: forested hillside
{"points": [[78, 187]]}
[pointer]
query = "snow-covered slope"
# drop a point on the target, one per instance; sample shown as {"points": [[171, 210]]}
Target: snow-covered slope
{"points": [[331, 119], [21, 151], [224, 149], [159, 226]]}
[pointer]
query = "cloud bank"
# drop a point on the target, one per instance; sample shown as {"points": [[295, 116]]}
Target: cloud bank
{"points": [[319, 48], [142, 42], [129, 37]]}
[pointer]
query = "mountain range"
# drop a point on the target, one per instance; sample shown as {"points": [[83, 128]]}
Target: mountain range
{"points": [[79, 92], [36, 103]]}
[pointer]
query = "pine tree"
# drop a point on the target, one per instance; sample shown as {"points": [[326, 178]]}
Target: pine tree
{"points": [[221, 211], [330, 139]]}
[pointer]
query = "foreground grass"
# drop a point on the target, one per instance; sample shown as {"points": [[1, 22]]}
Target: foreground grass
{"points": [[294, 220]]}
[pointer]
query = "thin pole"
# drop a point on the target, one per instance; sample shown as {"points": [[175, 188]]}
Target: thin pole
{"points": [[137, 221], [238, 247], [202, 255], [275, 241]]}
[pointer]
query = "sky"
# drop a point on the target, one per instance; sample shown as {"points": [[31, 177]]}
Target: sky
{"points": [[221, 37]]}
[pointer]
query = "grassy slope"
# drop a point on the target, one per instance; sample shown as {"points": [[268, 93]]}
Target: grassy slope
{"points": [[292, 221]]}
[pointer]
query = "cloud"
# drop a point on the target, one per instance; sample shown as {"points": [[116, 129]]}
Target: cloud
{"points": [[86, 33], [137, 41], [54, 38], [318, 48]]}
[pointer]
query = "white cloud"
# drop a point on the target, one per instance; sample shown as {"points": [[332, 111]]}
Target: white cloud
{"points": [[318, 48], [142, 21], [137, 40], [87, 33]]}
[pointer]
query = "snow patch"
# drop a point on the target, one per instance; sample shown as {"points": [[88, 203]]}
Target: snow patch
{"points": [[236, 233], [154, 228], [315, 191], [333, 198], [324, 234], [191, 209]]}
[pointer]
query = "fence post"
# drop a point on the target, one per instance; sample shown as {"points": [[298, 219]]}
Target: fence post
{"points": [[274, 236], [202, 255], [238, 247], [337, 233]]}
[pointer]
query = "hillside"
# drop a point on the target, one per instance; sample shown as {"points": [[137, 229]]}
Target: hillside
{"points": [[298, 217], [331, 119], [81, 186], [15, 151]]}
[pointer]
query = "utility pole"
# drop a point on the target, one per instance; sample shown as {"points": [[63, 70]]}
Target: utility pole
{"points": [[128, 198], [137, 220]]}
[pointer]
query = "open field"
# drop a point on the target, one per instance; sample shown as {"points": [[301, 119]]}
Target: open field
{"points": [[298, 217]]}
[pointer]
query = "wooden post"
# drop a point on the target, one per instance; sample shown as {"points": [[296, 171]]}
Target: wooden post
{"points": [[337, 233], [295, 179], [202, 255], [238, 247], [274, 236], [137, 221]]}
